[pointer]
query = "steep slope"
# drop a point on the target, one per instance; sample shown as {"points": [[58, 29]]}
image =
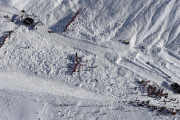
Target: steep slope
{"points": [[41, 62]]}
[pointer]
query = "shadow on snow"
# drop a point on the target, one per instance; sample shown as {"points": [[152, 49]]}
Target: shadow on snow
{"points": [[61, 24]]}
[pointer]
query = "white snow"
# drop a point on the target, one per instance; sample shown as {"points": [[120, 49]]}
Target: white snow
{"points": [[35, 66]]}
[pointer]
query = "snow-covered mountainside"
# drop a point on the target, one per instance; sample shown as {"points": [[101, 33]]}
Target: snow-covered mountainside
{"points": [[89, 71]]}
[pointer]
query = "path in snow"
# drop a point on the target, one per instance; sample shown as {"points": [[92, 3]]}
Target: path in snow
{"points": [[17, 81]]}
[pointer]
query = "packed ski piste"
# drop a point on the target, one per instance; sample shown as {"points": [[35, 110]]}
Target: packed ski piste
{"points": [[89, 60]]}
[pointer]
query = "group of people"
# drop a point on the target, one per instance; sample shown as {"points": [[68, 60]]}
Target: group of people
{"points": [[154, 90], [74, 17], [8, 35], [139, 103], [160, 110]]}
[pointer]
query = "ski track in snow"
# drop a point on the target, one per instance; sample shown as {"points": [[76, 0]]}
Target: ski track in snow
{"points": [[20, 82]]}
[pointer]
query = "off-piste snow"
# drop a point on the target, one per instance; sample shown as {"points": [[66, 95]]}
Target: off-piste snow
{"points": [[89, 59]]}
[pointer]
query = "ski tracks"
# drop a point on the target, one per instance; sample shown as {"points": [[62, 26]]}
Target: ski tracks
{"points": [[101, 51], [20, 82]]}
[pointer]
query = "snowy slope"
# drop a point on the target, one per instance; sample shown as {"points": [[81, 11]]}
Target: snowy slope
{"points": [[36, 81]]}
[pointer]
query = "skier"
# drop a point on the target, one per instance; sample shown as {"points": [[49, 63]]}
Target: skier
{"points": [[166, 95], [5, 38], [169, 77], [10, 33], [142, 47], [147, 102], [141, 82], [23, 11], [135, 88]]}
